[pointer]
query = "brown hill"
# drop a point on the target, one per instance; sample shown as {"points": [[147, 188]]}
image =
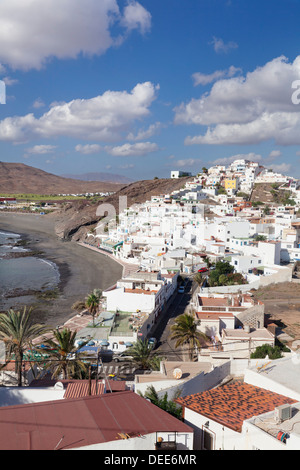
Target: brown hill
{"points": [[17, 178], [270, 193], [79, 217]]}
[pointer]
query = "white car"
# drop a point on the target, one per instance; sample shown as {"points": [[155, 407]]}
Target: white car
{"points": [[152, 342], [122, 357]]}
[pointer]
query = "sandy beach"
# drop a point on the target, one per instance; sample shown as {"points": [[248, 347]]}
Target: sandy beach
{"points": [[81, 270]]}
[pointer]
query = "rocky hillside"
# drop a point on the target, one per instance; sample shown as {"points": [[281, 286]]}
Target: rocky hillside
{"points": [[77, 218], [17, 178], [268, 193]]}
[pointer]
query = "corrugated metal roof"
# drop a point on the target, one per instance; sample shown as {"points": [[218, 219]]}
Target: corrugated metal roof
{"points": [[80, 422], [81, 388]]}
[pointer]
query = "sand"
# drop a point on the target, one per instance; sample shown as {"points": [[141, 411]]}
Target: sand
{"points": [[81, 270]]}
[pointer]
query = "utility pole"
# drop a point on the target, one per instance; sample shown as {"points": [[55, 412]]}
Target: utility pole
{"points": [[90, 381]]}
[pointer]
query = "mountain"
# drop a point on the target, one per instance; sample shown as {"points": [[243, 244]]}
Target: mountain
{"points": [[109, 177], [18, 178]]}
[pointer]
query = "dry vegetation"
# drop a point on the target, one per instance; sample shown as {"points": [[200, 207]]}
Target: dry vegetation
{"points": [[282, 306]]}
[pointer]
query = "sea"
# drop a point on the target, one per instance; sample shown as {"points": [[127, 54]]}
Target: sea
{"points": [[21, 275]]}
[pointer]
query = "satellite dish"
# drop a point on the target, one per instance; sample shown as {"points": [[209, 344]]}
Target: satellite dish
{"points": [[59, 386], [177, 373]]}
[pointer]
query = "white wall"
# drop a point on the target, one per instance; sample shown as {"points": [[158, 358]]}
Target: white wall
{"points": [[145, 442], [129, 302], [224, 438], [257, 439]]}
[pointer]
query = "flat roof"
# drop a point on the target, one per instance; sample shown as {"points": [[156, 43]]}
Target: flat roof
{"points": [[269, 424], [284, 371], [213, 315], [259, 333], [188, 369]]}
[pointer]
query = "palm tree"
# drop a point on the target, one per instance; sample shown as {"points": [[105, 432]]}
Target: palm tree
{"points": [[62, 355], [198, 278], [164, 402], [185, 332], [92, 302], [17, 331], [142, 355]]}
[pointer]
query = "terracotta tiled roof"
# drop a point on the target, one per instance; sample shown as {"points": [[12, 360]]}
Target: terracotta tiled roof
{"points": [[233, 403], [214, 301]]}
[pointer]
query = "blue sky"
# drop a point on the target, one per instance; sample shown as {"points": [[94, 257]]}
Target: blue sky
{"points": [[139, 88]]}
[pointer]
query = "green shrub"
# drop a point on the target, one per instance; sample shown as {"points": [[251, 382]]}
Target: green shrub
{"points": [[266, 350]]}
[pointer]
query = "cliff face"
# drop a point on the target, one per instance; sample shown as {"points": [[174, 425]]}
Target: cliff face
{"points": [[79, 217]]}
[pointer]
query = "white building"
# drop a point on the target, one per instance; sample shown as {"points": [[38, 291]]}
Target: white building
{"points": [[221, 417]]}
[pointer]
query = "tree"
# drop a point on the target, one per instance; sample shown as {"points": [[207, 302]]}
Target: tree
{"points": [[92, 302], [17, 331], [223, 279], [185, 332], [218, 277], [266, 350], [164, 403], [63, 358], [142, 355], [198, 278]]}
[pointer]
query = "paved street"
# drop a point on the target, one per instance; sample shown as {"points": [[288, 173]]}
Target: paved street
{"points": [[177, 306]]}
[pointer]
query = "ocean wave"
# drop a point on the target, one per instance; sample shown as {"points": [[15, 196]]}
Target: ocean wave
{"points": [[10, 234]]}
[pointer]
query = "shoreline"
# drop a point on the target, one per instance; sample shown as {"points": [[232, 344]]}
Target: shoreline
{"points": [[79, 269]]}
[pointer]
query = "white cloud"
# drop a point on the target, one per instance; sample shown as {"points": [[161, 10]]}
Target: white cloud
{"points": [[41, 149], [274, 154], [88, 149], [221, 47], [135, 16], [10, 81], [204, 79], [252, 157], [248, 110], [38, 103], [103, 118], [132, 150], [283, 168], [188, 162], [34, 31], [145, 134], [127, 166]]}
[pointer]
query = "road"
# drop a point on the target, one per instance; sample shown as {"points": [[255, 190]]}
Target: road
{"points": [[177, 306], [165, 346]]}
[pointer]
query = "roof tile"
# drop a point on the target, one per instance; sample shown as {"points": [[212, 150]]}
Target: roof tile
{"points": [[233, 403]]}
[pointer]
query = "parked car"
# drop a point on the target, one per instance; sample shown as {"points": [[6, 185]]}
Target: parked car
{"points": [[180, 290], [202, 270], [152, 342], [122, 357]]}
